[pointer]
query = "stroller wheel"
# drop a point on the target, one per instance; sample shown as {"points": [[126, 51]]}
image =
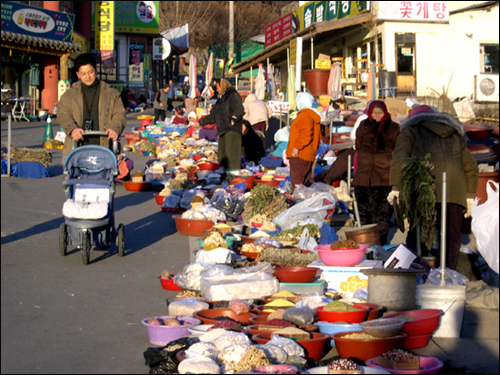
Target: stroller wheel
{"points": [[86, 246], [63, 239], [120, 240]]}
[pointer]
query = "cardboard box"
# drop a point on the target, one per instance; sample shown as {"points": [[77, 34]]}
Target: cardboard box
{"points": [[395, 106], [345, 280]]}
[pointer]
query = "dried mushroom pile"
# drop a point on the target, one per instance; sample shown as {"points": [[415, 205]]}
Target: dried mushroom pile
{"points": [[286, 259]]}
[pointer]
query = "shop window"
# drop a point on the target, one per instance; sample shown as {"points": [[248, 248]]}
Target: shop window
{"points": [[489, 58], [405, 54]]}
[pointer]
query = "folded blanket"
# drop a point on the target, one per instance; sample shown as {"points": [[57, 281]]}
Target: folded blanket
{"points": [[81, 210]]}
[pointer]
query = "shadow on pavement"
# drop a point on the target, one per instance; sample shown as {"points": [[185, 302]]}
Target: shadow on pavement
{"points": [[33, 231]]}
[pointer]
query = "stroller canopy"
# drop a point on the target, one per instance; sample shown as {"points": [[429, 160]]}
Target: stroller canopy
{"points": [[90, 160]]}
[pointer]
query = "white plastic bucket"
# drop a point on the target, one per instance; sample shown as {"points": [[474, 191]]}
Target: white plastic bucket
{"points": [[450, 299]]}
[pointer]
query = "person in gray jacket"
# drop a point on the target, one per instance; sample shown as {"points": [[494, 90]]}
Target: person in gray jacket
{"points": [[161, 103], [441, 136]]}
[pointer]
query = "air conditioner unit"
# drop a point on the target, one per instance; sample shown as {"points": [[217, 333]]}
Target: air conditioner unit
{"points": [[486, 88]]}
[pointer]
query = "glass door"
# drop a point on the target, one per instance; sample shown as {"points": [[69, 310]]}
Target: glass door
{"points": [[405, 61]]}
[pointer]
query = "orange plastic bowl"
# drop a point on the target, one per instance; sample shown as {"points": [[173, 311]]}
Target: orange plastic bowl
{"points": [[273, 183], [191, 227], [426, 321], [160, 199], [207, 316], [136, 186]]}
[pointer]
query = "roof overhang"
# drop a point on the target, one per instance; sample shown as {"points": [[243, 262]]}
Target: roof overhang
{"points": [[37, 45], [309, 32]]}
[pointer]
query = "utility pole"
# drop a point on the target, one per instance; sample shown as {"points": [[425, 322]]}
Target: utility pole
{"points": [[231, 30]]}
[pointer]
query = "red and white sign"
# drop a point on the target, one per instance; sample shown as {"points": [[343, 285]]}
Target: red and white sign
{"points": [[278, 30], [414, 10], [277, 107]]}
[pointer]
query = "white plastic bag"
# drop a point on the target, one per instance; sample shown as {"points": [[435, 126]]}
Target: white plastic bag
{"points": [[306, 242], [320, 207], [485, 226]]}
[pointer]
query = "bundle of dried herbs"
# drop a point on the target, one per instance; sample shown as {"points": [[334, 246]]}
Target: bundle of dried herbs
{"points": [[264, 200], [295, 233], [40, 155], [417, 199]]}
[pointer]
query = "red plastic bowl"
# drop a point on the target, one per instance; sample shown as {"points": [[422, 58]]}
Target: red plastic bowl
{"points": [[375, 311], [272, 183], [160, 199], [169, 284], [366, 348], [208, 166], [314, 347], [417, 342], [238, 180], [348, 316], [428, 365], [426, 321], [477, 132], [191, 227], [296, 274], [342, 258], [136, 186], [207, 316]]}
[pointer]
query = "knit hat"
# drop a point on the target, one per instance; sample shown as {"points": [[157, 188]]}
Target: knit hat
{"points": [[383, 121], [420, 109], [192, 114]]}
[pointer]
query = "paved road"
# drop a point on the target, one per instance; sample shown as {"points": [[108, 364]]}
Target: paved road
{"points": [[59, 316]]}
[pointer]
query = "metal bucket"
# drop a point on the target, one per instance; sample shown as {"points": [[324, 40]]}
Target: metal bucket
{"points": [[367, 235]]}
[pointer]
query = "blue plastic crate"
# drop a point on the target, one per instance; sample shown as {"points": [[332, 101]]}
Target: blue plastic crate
{"points": [[169, 129]]}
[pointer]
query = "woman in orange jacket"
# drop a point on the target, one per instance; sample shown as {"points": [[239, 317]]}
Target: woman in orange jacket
{"points": [[305, 138]]}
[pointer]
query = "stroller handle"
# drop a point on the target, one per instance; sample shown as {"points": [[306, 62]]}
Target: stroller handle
{"points": [[116, 147]]}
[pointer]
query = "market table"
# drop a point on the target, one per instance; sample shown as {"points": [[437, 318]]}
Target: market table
{"points": [[18, 114]]}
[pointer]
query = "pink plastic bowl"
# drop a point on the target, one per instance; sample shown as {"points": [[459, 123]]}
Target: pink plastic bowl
{"points": [[341, 258], [428, 365], [162, 335]]}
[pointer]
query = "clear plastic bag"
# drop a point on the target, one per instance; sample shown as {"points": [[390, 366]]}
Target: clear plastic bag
{"points": [[485, 226], [230, 338], [276, 354], [233, 353], [320, 207], [239, 307], [217, 270], [313, 302], [451, 277], [301, 316], [306, 242], [186, 308], [204, 349], [302, 192], [289, 346]]}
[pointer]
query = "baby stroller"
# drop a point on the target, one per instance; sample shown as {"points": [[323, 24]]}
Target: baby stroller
{"points": [[89, 218]]}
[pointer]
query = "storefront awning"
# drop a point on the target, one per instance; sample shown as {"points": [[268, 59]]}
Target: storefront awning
{"points": [[309, 32], [40, 45]]}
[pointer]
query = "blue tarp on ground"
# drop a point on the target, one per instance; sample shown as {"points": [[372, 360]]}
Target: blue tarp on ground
{"points": [[28, 169]]}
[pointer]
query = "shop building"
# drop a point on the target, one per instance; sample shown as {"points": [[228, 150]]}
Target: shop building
{"points": [[423, 46]]}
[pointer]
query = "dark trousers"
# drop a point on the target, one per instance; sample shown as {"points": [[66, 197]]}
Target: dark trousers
{"points": [[229, 152], [339, 166], [374, 208], [454, 216], [170, 105], [159, 115], [300, 171]]}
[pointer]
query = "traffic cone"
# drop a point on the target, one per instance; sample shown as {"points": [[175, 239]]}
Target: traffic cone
{"points": [[49, 134]]}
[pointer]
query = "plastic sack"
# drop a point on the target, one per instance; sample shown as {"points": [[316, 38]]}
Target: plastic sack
{"points": [[216, 256], [327, 235], [276, 354], [306, 242], [230, 338], [172, 201], [451, 277], [191, 276], [313, 302], [289, 346], [320, 207], [267, 242], [301, 316], [198, 365], [302, 192], [186, 308], [239, 307], [485, 226], [204, 349], [223, 201], [217, 270]]}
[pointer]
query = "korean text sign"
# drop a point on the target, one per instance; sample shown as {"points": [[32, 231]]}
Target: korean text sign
{"points": [[105, 25], [38, 22], [414, 10], [135, 17]]}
